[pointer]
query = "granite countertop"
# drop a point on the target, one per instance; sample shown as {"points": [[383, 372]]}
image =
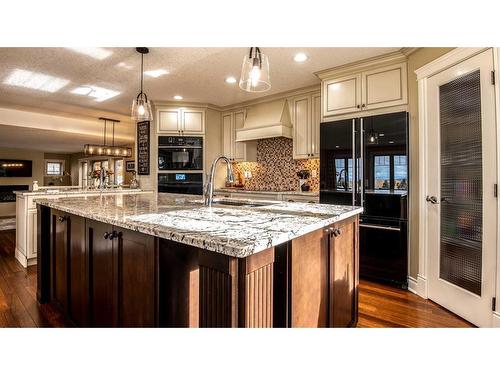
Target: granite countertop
{"points": [[230, 230], [69, 192], [290, 192]]}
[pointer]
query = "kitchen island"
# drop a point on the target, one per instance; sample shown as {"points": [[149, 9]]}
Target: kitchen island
{"points": [[165, 260]]}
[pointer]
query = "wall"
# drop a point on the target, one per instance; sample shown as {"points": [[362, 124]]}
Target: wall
{"points": [[275, 169], [37, 157], [417, 59]]}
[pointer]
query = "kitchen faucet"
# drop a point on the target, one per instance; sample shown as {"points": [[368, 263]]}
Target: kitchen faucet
{"points": [[209, 190]]}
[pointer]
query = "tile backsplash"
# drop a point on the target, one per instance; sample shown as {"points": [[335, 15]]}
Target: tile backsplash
{"points": [[275, 169]]}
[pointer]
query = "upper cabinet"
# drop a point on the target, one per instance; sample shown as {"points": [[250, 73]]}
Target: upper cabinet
{"points": [[235, 151], [306, 115], [181, 120], [368, 85]]}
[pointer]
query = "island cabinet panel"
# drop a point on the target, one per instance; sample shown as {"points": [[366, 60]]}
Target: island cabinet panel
{"points": [[122, 277], [309, 281], [344, 266], [77, 272], [101, 275], [59, 258]]}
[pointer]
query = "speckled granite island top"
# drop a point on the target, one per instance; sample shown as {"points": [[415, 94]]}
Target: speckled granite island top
{"points": [[230, 230]]}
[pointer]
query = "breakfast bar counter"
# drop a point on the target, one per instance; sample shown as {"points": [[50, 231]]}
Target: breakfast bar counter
{"points": [[167, 260]]}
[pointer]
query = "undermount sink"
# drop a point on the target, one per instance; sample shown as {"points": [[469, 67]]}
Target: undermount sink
{"points": [[224, 202]]}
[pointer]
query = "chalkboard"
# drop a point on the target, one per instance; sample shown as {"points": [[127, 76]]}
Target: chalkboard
{"points": [[143, 148]]}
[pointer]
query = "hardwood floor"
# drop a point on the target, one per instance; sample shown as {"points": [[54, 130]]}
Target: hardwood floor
{"points": [[379, 305]]}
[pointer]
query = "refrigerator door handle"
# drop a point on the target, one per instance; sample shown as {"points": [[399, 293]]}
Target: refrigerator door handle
{"points": [[361, 163], [353, 162]]}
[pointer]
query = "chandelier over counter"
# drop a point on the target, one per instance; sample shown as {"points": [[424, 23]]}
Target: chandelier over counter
{"points": [[107, 150], [141, 106], [255, 72]]}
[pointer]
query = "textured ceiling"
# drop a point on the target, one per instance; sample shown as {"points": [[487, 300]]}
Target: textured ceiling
{"points": [[197, 74]]}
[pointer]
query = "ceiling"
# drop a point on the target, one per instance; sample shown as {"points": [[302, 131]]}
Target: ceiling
{"points": [[198, 74], [45, 140]]}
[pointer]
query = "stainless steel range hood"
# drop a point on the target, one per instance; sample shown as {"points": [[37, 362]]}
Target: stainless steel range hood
{"points": [[267, 120]]}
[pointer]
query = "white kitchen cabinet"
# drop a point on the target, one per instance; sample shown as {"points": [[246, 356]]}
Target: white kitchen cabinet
{"points": [[236, 151], [183, 121], [342, 95], [306, 113], [384, 87], [372, 85]]}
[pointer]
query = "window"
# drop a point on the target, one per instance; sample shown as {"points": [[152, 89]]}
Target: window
{"points": [[54, 168], [390, 172]]}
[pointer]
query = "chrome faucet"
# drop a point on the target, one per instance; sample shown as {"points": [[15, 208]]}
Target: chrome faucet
{"points": [[209, 190]]}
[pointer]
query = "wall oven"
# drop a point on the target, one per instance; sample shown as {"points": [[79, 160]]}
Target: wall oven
{"points": [[180, 153], [180, 183]]}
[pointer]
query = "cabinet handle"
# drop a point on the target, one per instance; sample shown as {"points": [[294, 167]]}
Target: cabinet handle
{"points": [[106, 235], [336, 232]]}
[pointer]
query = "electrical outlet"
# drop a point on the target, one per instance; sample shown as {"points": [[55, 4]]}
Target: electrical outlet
{"points": [[314, 173]]}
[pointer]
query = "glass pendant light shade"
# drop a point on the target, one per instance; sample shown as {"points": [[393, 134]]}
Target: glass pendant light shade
{"points": [[141, 108], [255, 72]]}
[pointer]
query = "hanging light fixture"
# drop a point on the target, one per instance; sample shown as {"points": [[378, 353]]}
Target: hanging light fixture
{"points": [[141, 106], [105, 150], [372, 136], [255, 72]]}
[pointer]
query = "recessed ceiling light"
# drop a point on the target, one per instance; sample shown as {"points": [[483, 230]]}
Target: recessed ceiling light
{"points": [[300, 57], [36, 81], [100, 94], [337, 146], [381, 134], [391, 142], [178, 97], [124, 65], [156, 73], [230, 80], [95, 52]]}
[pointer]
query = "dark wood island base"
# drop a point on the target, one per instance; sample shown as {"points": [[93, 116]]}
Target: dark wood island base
{"points": [[102, 275]]}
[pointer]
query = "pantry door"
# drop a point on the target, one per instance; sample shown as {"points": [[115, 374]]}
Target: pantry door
{"points": [[460, 197]]}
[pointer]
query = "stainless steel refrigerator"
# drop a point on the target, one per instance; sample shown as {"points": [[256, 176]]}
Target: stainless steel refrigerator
{"points": [[364, 162]]}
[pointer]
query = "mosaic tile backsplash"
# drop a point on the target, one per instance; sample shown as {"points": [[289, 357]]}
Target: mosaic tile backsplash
{"points": [[275, 169]]}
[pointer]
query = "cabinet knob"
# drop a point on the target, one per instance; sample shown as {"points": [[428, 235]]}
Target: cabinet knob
{"points": [[336, 232], [358, 106], [106, 235], [363, 105], [62, 219]]}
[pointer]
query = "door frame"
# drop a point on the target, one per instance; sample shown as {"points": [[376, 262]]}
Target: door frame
{"points": [[442, 63]]}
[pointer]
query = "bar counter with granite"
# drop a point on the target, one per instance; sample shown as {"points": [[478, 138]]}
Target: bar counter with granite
{"points": [[169, 261]]}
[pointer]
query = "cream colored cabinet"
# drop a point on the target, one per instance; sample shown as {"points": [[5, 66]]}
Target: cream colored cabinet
{"points": [[384, 87], [365, 89], [306, 113], [231, 122], [183, 121], [342, 95]]}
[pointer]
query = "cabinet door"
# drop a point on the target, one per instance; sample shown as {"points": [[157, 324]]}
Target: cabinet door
{"points": [[101, 271], [344, 267], [341, 95], [301, 127], [77, 272], [169, 120], [59, 258], [227, 135], [193, 121], [239, 147], [136, 278], [315, 123], [384, 87]]}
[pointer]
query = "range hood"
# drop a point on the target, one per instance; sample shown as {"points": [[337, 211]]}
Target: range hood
{"points": [[267, 120]]}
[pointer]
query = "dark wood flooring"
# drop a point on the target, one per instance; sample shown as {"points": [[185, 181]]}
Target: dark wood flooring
{"points": [[379, 305]]}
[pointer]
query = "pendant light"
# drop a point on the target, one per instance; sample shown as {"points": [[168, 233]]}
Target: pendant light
{"points": [[105, 150], [255, 72], [372, 136], [141, 106]]}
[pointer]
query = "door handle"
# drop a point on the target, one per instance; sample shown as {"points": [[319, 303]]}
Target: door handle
{"points": [[432, 199]]}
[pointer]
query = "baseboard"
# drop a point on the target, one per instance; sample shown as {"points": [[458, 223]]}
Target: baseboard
{"points": [[32, 262], [496, 319], [421, 287], [412, 284], [21, 258]]}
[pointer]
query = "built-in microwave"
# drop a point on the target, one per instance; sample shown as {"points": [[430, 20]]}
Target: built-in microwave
{"points": [[180, 153], [180, 183]]}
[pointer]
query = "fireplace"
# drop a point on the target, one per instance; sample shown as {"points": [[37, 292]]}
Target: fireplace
{"points": [[7, 192]]}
